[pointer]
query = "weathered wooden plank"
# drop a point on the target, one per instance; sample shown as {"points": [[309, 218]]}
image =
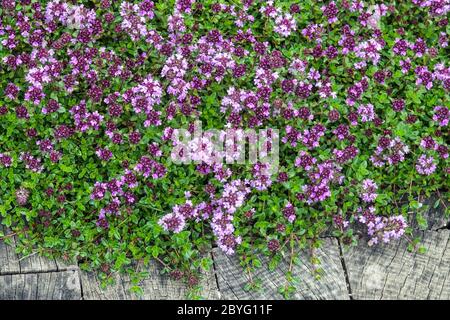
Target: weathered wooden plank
{"points": [[391, 272], [65, 265], [435, 217], [232, 279], [155, 287], [12, 263], [41, 286], [36, 263], [9, 262]]}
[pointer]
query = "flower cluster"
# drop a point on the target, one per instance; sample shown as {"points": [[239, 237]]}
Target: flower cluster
{"points": [[96, 94], [389, 152], [5, 160], [285, 23], [368, 190], [289, 212], [425, 165], [219, 212], [322, 176], [441, 115], [382, 229]]}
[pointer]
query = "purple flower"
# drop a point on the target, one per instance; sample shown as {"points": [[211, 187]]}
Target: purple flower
{"points": [[406, 65], [342, 156], [305, 161], [261, 176], [441, 115], [55, 156], [63, 132], [341, 132], [368, 191], [398, 105], [45, 145], [32, 163], [22, 112], [99, 191], [443, 151], [340, 222], [382, 229], [289, 212], [12, 91], [389, 151], [310, 137], [273, 245], [285, 24], [400, 47], [102, 223], [424, 77], [321, 178], [149, 167], [366, 112], [330, 11], [425, 165], [5, 160], [52, 106], [104, 154], [22, 196], [428, 143], [228, 243], [184, 6], [134, 137], [172, 222]]}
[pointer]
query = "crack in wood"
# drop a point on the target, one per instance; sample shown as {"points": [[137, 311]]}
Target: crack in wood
{"points": [[344, 268]]}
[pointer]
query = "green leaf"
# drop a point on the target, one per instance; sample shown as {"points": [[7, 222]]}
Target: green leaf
{"points": [[155, 252], [65, 168], [421, 221], [206, 263], [121, 260]]}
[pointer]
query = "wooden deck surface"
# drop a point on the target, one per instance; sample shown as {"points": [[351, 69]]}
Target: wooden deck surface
{"points": [[362, 272]]}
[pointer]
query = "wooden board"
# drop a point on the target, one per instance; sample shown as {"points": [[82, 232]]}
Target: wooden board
{"points": [[435, 217], [155, 287], [41, 286], [9, 262], [391, 272], [35, 263], [232, 278]]}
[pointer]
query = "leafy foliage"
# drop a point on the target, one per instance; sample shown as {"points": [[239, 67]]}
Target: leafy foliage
{"points": [[91, 91]]}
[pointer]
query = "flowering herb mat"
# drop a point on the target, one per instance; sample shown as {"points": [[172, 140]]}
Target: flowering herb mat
{"points": [[122, 122]]}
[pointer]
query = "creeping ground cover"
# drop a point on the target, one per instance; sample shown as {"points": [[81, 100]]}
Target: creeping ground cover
{"points": [[122, 124]]}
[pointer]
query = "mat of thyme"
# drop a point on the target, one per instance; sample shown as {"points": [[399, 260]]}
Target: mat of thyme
{"points": [[94, 92]]}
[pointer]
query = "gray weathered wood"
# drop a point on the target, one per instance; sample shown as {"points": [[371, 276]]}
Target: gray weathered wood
{"points": [[41, 286], [37, 263], [232, 279], [63, 265], [9, 262], [435, 217], [155, 287], [389, 271]]}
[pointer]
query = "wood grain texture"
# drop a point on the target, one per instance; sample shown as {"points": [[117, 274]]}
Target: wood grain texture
{"points": [[232, 278], [9, 262], [389, 271], [155, 287], [36, 263], [41, 286], [435, 217]]}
